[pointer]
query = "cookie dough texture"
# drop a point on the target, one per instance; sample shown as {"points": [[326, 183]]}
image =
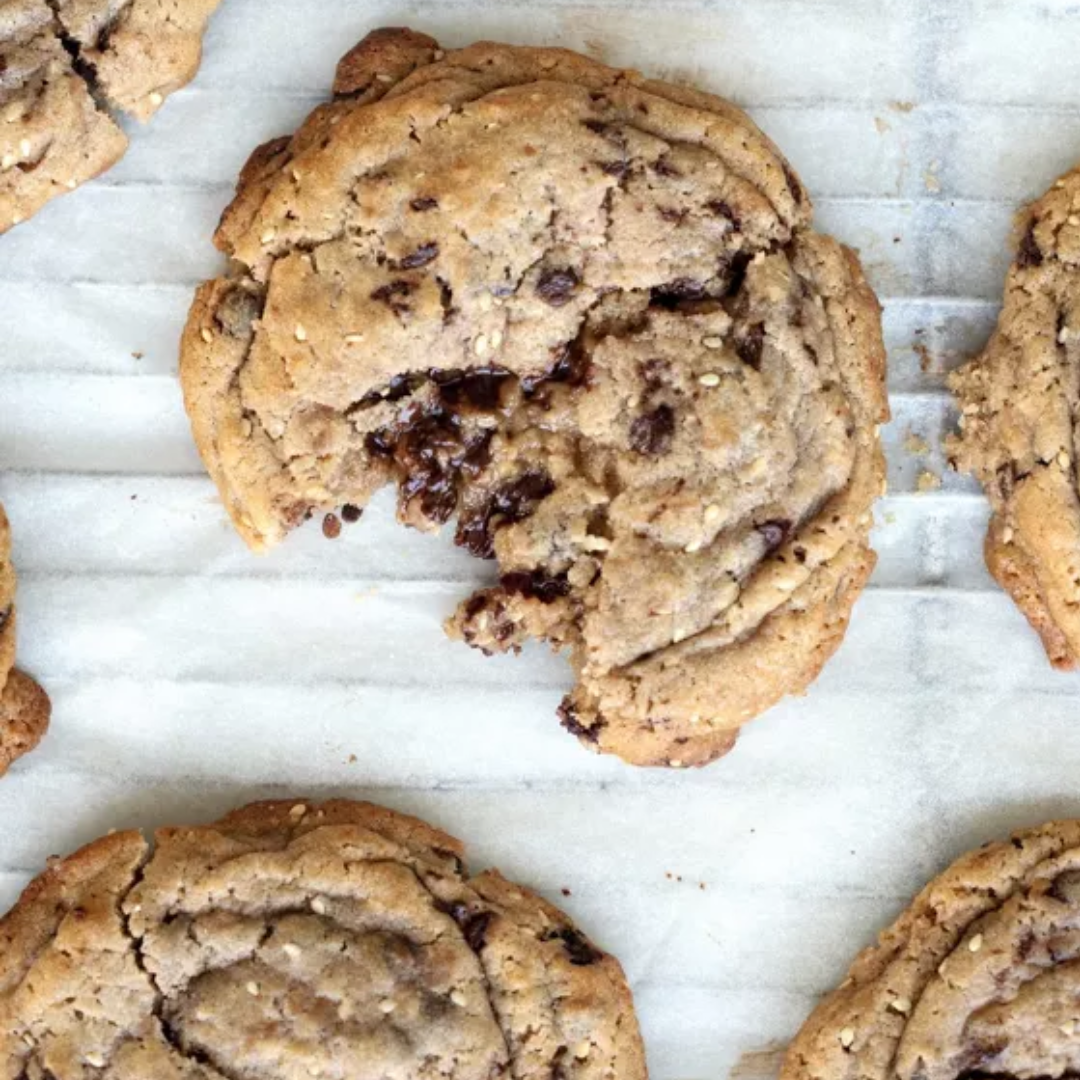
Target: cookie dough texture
{"points": [[292, 940], [24, 707], [65, 67], [1018, 402], [584, 313], [978, 977]]}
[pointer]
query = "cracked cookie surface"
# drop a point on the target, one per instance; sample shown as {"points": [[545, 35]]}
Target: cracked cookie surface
{"points": [[1018, 431], [295, 940], [64, 64], [585, 314], [977, 978], [24, 706]]}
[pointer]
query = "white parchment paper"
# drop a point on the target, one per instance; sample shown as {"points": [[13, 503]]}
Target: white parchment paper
{"points": [[189, 676]]}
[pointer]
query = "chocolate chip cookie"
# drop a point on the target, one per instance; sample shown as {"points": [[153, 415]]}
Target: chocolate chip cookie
{"points": [[1018, 434], [296, 940], [65, 67], [585, 314], [977, 978], [24, 707]]}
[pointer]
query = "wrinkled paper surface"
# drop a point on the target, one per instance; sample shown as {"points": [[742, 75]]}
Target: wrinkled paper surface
{"points": [[189, 676]]}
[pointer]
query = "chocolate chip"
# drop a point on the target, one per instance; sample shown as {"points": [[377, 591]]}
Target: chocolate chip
{"points": [[568, 717], [331, 527], [570, 365], [556, 287], [581, 951], [723, 209], [793, 183], [774, 533], [474, 924], [652, 432], [598, 127], [424, 203], [403, 385], [479, 386], [733, 268], [379, 443], [618, 169], [535, 585], [420, 257], [654, 372], [750, 346], [672, 293], [1029, 253], [351, 514], [393, 295], [800, 555], [512, 502]]}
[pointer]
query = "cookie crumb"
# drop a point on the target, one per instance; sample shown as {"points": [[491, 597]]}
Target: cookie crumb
{"points": [[928, 481]]}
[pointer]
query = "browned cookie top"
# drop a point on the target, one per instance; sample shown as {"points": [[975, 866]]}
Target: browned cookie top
{"points": [[298, 941], [585, 314], [1019, 401], [63, 65], [978, 978], [24, 708]]}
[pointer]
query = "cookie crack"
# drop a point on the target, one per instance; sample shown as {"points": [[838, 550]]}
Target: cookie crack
{"points": [[82, 67]]}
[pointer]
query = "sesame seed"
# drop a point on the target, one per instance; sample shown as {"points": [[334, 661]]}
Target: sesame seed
{"points": [[253, 989], [480, 346], [268, 236], [485, 301], [496, 339], [24, 147], [72, 185], [675, 763], [387, 1006], [710, 379], [384, 78], [318, 905], [207, 335], [353, 339], [901, 1005], [582, 1050], [713, 342], [292, 951], [1007, 535], [298, 811], [95, 1060], [975, 944], [7, 161], [847, 1037], [1063, 459], [459, 999], [301, 333], [1074, 220], [712, 513], [695, 718], [156, 99]]}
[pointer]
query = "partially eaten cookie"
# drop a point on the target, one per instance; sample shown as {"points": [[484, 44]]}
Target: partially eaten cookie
{"points": [[24, 706], [66, 67], [584, 315]]}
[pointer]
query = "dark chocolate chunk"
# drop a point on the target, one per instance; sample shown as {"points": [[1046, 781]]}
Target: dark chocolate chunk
{"points": [[514, 501], [479, 386], [423, 203], [351, 514], [568, 717], [750, 346], [535, 585], [721, 208], [774, 533], [474, 924], [652, 432], [1029, 253], [581, 951], [420, 257], [556, 287], [673, 293]]}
